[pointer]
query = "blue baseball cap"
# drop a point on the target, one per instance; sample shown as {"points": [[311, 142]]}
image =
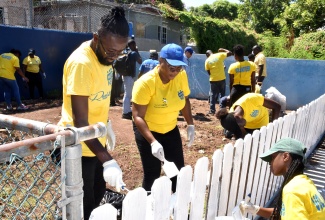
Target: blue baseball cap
{"points": [[173, 54], [189, 49]]}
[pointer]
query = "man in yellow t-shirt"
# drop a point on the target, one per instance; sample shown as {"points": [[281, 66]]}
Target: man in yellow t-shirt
{"points": [[87, 80], [260, 62], [32, 66], [248, 114], [214, 65], [9, 64], [157, 98]]}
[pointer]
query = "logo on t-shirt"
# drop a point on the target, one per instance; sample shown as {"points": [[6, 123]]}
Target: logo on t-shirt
{"points": [[164, 101], [254, 113], [317, 201], [109, 76], [181, 94]]}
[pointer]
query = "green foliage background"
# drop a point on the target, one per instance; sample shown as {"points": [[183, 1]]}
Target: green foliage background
{"points": [[211, 33]]}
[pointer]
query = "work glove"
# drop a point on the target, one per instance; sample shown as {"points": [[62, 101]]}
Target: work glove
{"points": [[110, 136], [44, 75], [248, 207], [190, 135], [157, 150], [113, 174]]}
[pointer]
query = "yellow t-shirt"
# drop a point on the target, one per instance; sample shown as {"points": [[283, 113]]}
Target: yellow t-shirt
{"points": [[255, 114], [8, 64], [301, 200], [260, 60], [164, 101], [242, 72], [83, 75], [214, 63], [32, 64]]}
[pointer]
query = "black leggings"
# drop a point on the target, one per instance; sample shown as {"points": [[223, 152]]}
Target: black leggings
{"points": [[94, 184], [35, 79], [238, 91], [172, 144]]}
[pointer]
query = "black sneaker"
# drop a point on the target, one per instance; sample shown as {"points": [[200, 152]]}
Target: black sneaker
{"points": [[127, 116]]}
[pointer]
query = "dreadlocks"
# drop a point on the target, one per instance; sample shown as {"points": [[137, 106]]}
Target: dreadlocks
{"points": [[114, 23], [296, 168]]}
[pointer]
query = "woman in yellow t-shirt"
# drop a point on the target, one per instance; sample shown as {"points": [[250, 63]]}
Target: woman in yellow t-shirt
{"points": [[157, 98], [241, 75], [32, 67], [298, 197]]}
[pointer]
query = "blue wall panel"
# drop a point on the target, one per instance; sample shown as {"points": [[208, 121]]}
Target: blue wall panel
{"points": [[301, 81]]}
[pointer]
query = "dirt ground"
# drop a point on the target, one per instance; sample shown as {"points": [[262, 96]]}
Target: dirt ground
{"points": [[208, 134]]}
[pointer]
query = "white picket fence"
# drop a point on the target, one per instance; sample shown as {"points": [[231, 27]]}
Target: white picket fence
{"points": [[234, 172]]}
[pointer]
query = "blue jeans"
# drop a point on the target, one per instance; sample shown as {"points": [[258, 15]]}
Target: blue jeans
{"points": [[216, 88], [10, 87], [128, 82]]}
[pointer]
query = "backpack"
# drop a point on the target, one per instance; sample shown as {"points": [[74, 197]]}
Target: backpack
{"points": [[122, 65]]}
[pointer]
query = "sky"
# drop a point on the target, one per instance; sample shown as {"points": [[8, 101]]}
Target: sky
{"points": [[196, 3]]}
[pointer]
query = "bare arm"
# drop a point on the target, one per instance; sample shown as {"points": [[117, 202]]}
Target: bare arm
{"points": [[260, 71], [41, 68], [253, 81], [209, 72], [238, 114], [265, 212], [186, 111], [138, 113], [80, 119], [276, 107], [20, 72], [229, 53], [231, 81]]}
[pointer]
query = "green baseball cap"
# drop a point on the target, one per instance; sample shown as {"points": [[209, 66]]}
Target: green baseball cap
{"points": [[289, 145]]}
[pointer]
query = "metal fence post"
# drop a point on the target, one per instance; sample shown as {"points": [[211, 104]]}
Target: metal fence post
{"points": [[74, 182]]}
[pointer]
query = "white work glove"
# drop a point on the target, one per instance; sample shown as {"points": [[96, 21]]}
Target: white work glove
{"points": [[44, 75], [157, 150], [248, 207], [113, 174], [190, 135], [110, 136]]}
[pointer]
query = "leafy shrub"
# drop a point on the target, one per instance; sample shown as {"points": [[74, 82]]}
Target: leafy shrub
{"points": [[309, 46]]}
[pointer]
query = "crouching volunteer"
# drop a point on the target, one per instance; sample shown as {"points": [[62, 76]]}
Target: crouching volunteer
{"points": [[298, 197], [87, 80], [247, 114], [157, 98]]}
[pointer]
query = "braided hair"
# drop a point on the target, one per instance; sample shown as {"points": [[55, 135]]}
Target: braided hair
{"points": [[114, 23], [296, 168]]}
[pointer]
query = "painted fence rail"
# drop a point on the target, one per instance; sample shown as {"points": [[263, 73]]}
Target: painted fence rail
{"points": [[213, 188], [234, 172]]}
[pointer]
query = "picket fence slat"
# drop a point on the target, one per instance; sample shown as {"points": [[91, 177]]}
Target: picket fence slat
{"points": [[199, 188], [161, 195], [244, 170], [238, 152], [134, 204], [183, 197], [226, 178], [215, 185], [253, 159]]}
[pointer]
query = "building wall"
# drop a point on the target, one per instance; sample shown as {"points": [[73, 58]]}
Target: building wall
{"points": [[301, 81]]}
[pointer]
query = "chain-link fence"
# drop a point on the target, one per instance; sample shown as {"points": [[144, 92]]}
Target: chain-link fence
{"points": [[74, 15], [38, 181]]}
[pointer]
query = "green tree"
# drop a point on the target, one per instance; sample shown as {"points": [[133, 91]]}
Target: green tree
{"points": [[302, 16], [221, 9], [260, 14]]}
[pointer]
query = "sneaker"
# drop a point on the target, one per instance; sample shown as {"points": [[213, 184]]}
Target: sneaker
{"points": [[211, 112], [22, 107], [9, 107], [127, 116]]}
